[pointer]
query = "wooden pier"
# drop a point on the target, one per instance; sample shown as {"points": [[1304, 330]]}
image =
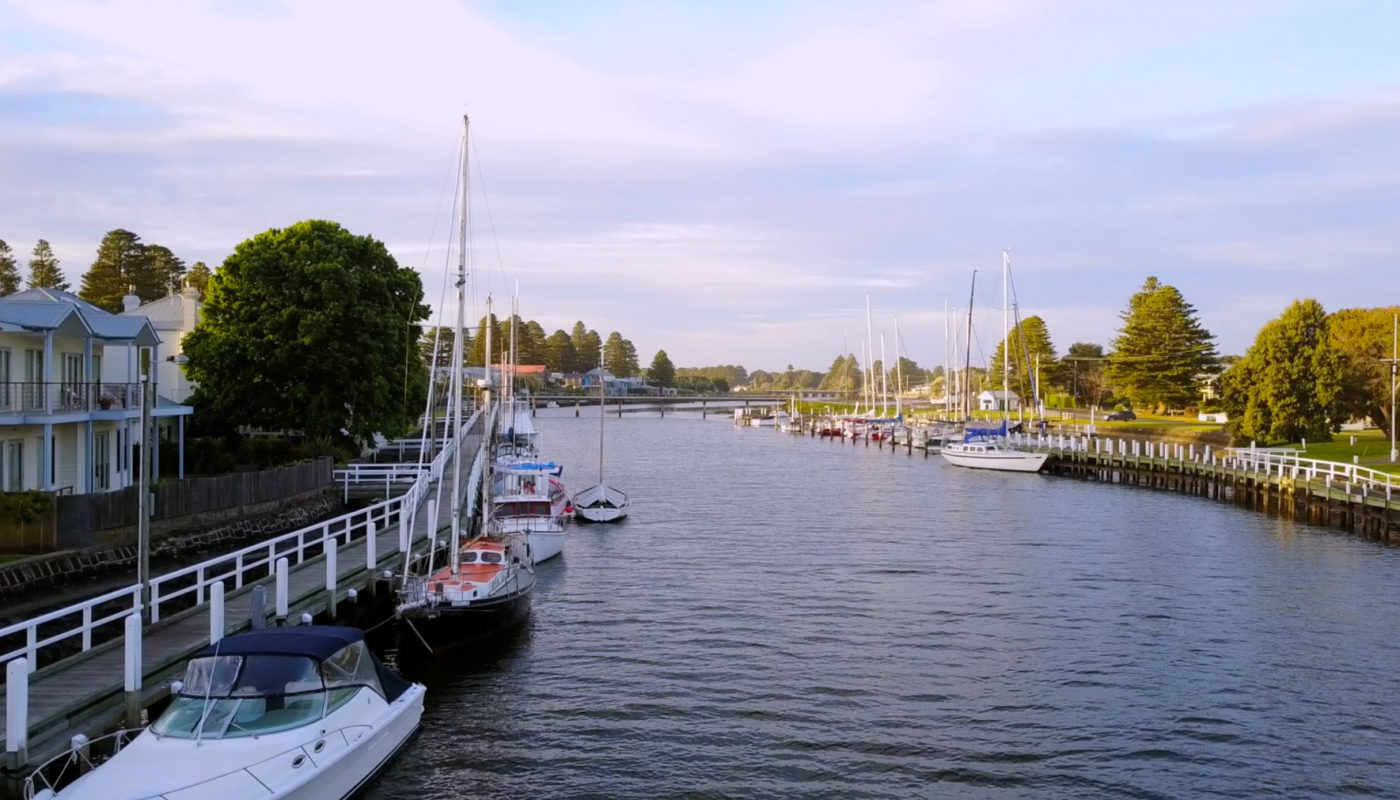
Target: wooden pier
{"points": [[330, 569]]}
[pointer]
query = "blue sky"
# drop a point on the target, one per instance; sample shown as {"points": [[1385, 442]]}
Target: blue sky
{"points": [[727, 179]]}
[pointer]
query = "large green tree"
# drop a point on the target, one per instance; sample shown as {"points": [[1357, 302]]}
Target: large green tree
{"points": [[662, 371], [435, 346], [476, 352], [844, 375], [620, 356], [307, 328], [1286, 387], [1161, 349], [169, 269], [587, 346], [1364, 338], [559, 353], [198, 276], [44, 272], [9, 270], [1030, 348], [1082, 369], [122, 263]]}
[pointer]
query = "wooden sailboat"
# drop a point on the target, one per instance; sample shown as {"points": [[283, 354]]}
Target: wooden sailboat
{"points": [[601, 503]]}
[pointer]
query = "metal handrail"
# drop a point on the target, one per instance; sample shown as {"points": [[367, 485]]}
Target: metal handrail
{"points": [[120, 738], [1314, 467]]}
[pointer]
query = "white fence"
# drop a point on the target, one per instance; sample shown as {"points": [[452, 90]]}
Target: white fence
{"points": [[243, 566]]}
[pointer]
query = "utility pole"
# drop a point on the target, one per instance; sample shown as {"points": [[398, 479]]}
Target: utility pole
{"points": [[1394, 367], [143, 500]]}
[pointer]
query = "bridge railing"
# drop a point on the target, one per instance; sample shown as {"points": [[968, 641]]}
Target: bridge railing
{"points": [[242, 566]]}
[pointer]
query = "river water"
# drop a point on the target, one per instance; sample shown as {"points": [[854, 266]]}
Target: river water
{"points": [[784, 617]]}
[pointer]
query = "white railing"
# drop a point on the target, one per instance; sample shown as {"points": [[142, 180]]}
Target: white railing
{"points": [[1292, 464], [243, 566], [30, 627]]}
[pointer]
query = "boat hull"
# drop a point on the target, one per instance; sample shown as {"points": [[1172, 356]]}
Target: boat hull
{"points": [[1000, 462], [354, 772], [600, 513], [545, 545], [444, 626]]}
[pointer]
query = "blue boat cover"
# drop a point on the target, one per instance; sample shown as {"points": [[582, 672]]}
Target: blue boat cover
{"points": [[313, 641], [971, 434], [533, 467]]}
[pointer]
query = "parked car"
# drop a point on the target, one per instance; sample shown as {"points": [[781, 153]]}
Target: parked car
{"points": [[1121, 416]]}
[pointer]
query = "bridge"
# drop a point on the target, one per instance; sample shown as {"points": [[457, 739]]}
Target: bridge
{"points": [[84, 668]]}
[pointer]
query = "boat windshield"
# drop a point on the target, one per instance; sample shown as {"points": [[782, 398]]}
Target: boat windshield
{"points": [[232, 696]]}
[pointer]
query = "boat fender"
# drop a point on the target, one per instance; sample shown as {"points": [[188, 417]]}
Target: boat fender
{"points": [[568, 508]]}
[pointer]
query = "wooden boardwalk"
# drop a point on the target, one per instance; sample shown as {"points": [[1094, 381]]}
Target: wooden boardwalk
{"points": [[84, 693]]}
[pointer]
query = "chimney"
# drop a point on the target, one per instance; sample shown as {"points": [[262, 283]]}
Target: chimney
{"points": [[189, 304], [131, 302]]}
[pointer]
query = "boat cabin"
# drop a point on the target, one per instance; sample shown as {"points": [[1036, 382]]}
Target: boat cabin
{"points": [[273, 680]]}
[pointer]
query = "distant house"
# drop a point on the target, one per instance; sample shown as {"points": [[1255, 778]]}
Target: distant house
{"points": [[1208, 385], [998, 401], [173, 317]]}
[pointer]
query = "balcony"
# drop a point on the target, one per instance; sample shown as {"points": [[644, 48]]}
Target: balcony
{"points": [[68, 398]]}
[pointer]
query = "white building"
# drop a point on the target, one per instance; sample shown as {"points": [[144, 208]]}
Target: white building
{"points": [[998, 401], [172, 317], [64, 427]]}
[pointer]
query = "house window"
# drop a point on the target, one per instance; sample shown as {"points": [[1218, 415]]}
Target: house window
{"points": [[12, 468]]}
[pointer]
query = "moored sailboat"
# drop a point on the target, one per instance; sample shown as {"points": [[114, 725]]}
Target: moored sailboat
{"points": [[601, 503]]}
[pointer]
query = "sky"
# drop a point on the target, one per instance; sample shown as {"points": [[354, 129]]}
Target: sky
{"points": [[727, 180]]}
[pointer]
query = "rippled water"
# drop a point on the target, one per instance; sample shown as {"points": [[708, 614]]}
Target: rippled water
{"points": [[785, 617]]}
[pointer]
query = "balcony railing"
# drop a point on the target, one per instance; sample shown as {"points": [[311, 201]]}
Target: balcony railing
{"points": [[67, 397]]}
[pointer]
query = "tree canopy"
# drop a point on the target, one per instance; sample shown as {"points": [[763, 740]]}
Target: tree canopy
{"points": [[844, 375], [9, 270], [307, 328], [1363, 339], [198, 277], [122, 263], [662, 372], [620, 356], [1285, 388], [559, 352], [588, 346], [1031, 336], [168, 271], [1082, 369], [1161, 348], [43, 269]]}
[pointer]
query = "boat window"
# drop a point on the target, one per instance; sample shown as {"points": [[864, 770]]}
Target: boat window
{"points": [[351, 666], [212, 675], [231, 696], [491, 557], [273, 675]]}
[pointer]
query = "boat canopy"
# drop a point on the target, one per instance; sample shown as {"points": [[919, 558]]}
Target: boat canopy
{"points": [[973, 434], [531, 468], [313, 641]]}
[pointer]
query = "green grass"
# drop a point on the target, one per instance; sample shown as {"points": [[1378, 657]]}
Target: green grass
{"points": [[4, 559], [1372, 446]]}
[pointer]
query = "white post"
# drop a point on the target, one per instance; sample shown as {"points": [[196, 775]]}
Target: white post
{"points": [[282, 588], [371, 537], [17, 712], [432, 520], [133, 670], [404, 519], [216, 611], [331, 574]]}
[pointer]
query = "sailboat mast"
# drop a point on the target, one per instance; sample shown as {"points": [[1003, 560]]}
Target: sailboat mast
{"points": [[1006, 335], [454, 417], [603, 409], [898, 374], [884, 379], [967, 364], [870, 339]]}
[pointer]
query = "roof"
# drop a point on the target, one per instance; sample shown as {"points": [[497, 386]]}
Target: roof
{"points": [[313, 641], [50, 309], [1000, 395], [165, 313], [523, 369], [40, 295]]}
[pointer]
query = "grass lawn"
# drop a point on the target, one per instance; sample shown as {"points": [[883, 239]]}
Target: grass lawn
{"points": [[4, 559], [1372, 446]]}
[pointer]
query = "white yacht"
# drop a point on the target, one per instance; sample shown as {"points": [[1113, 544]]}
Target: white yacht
{"points": [[302, 713], [987, 453]]}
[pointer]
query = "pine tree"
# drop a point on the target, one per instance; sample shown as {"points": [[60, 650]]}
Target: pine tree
{"points": [[1041, 351], [560, 355], [122, 263], [662, 371], [588, 351], [1285, 388], [1161, 348], [198, 277], [43, 269], [9, 270], [843, 376], [443, 337], [169, 270], [477, 351], [615, 355]]}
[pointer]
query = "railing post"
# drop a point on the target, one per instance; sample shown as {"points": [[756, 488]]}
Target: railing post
{"points": [[331, 574], [371, 535], [347, 485], [404, 519], [133, 671], [216, 612], [282, 589], [199, 586], [87, 628], [17, 713], [238, 571], [155, 602]]}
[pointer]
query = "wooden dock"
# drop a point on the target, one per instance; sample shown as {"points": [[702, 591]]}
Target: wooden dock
{"points": [[85, 693]]}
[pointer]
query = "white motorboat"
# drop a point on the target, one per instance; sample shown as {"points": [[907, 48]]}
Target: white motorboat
{"points": [[301, 713], [529, 489], [601, 503], [991, 454]]}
